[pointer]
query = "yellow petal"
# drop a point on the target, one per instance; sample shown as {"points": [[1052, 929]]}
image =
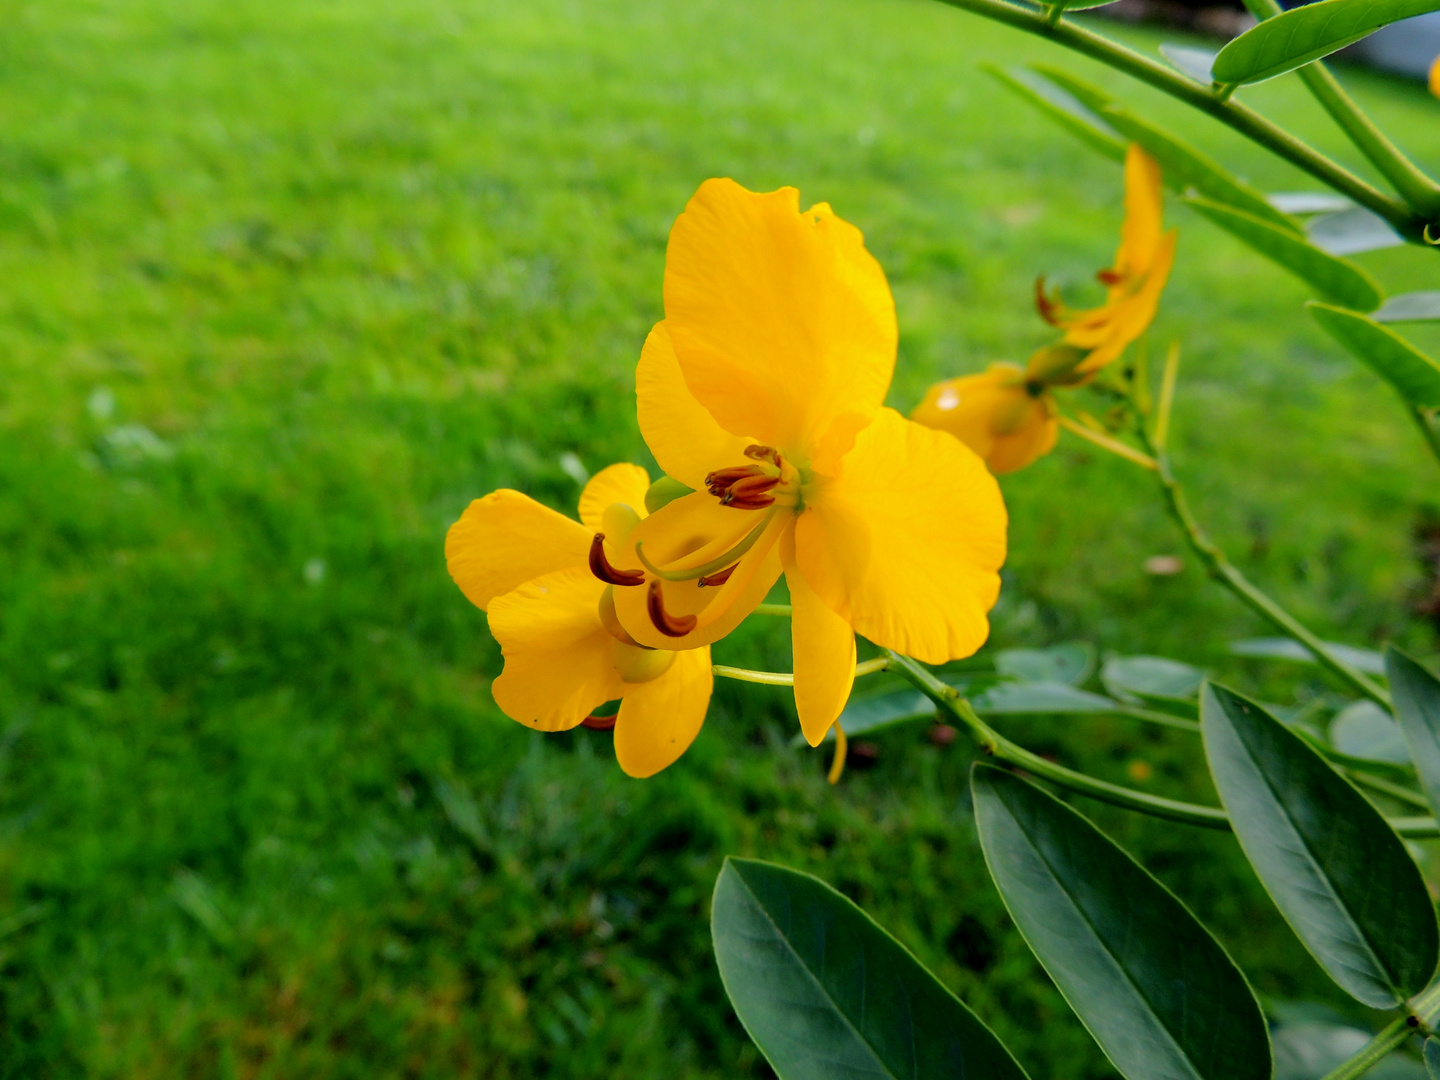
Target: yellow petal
{"points": [[1144, 205], [659, 720], [782, 322], [505, 539], [619, 483], [824, 658], [907, 542], [685, 439], [559, 659], [1435, 77], [1132, 316], [994, 414]]}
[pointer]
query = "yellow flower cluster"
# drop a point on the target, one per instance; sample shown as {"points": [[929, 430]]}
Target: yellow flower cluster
{"points": [[761, 395], [1007, 414]]}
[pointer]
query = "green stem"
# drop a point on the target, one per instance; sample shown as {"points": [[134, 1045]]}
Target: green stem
{"points": [[1395, 791], [1230, 112], [1417, 189], [772, 609], [1394, 1034], [1224, 571], [786, 678], [950, 701]]}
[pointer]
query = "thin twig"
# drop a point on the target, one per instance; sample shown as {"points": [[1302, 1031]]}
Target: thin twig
{"points": [[1105, 442]]}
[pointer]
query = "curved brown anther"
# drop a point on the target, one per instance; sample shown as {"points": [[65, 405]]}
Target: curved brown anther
{"points": [[718, 578], [761, 452], [750, 493], [601, 568], [1049, 309], [600, 723], [1110, 277], [719, 481], [667, 624]]}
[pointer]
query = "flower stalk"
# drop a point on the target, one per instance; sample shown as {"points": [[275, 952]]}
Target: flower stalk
{"points": [[1370, 1055]]}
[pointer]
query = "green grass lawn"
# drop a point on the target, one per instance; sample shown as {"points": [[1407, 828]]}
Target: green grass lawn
{"points": [[284, 286]]}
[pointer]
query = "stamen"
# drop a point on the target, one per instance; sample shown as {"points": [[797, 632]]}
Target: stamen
{"points": [[719, 481], [600, 723], [720, 578], [667, 624], [714, 565], [753, 502], [749, 493], [1050, 309], [601, 568], [761, 452], [1110, 277]]}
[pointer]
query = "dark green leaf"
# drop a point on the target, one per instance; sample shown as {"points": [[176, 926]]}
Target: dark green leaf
{"points": [[1281, 648], [1064, 109], [1150, 676], [1159, 994], [1410, 371], [1417, 705], [1300, 35], [1410, 307], [1072, 663], [1351, 231], [827, 993], [1019, 698], [1181, 165], [1334, 867], [1364, 730], [1335, 279]]}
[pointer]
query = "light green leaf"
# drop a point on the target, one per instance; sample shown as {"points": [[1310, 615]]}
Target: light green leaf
{"points": [[1072, 663], [1417, 705], [1410, 307], [1281, 648], [1332, 864], [1410, 371], [1152, 985], [1181, 165], [1351, 231], [1023, 698], [1294, 38], [1364, 730], [1190, 61], [1335, 279], [1150, 676], [1064, 109], [826, 993]]}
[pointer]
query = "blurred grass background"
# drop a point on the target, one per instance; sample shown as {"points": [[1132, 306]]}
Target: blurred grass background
{"points": [[286, 285]]}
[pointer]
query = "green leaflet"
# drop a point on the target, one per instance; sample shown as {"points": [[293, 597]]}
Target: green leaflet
{"points": [[1182, 166], [1072, 662], [1334, 867], [1405, 367], [1294, 38], [1335, 279], [825, 992], [1063, 108], [1417, 706], [1152, 985]]}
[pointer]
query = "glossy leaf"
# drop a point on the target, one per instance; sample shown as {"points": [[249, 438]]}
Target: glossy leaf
{"points": [[1309, 202], [1064, 109], [1334, 867], [1072, 663], [1190, 61], [1152, 985], [825, 992], [1410, 307], [1335, 279], [1021, 698], [1366, 731], [1405, 367], [1351, 231], [1294, 38], [1282, 648], [1182, 167], [1417, 706]]}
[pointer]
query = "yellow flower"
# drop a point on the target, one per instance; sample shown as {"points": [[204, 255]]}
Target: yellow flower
{"points": [[1007, 418], [763, 391], [1142, 266], [1435, 77], [565, 655]]}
